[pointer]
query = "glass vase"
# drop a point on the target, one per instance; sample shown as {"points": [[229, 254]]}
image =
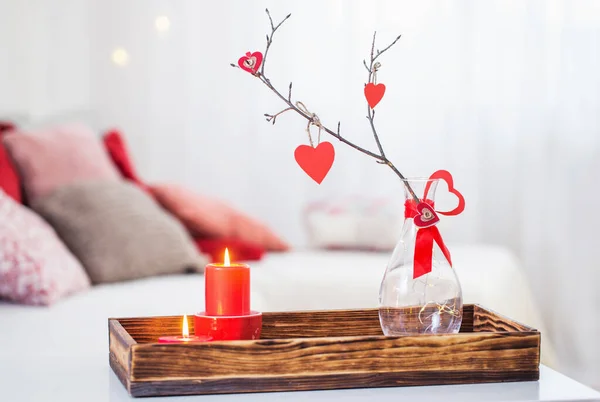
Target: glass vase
{"points": [[430, 303]]}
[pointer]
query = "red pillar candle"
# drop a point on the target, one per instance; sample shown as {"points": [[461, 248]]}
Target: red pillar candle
{"points": [[227, 288]]}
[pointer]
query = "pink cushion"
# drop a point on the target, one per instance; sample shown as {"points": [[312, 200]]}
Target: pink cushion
{"points": [[58, 156], [35, 266], [207, 217]]}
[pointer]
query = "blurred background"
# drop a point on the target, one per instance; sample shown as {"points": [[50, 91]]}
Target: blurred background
{"points": [[504, 94]]}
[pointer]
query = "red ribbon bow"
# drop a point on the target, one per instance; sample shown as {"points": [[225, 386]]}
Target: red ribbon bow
{"points": [[426, 219]]}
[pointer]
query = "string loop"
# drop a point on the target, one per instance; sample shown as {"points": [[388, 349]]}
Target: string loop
{"points": [[376, 67], [312, 121]]}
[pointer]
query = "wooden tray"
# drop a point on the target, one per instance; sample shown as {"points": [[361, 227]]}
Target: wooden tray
{"points": [[317, 350]]}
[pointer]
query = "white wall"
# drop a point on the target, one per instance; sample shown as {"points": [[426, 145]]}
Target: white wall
{"points": [[502, 93], [45, 58]]}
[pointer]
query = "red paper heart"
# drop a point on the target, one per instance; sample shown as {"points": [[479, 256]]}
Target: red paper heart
{"points": [[447, 177], [426, 216], [316, 162], [251, 62], [374, 93]]}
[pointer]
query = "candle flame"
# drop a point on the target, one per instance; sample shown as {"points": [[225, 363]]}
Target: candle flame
{"points": [[227, 262], [185, 332]]}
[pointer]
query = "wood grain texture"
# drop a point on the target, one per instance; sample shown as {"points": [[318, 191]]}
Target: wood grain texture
{"points": [[277, 325], [119, 345], [322, 350], [335, 355], [486, 320], [323, 382]]}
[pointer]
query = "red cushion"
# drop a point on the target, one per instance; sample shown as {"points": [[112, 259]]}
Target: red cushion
{"points": [[117, 149], [9, 178], [238, 249], [212, 218]]}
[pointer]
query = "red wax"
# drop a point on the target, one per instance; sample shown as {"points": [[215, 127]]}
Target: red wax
{"points": [[181, 339], [227, 289]]}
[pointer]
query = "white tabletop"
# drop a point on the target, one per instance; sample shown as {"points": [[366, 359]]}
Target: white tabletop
{"points": [[91, 380]]}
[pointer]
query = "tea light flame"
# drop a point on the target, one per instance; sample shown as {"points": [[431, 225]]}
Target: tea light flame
{"points": [[185, 332], [226, 259]]}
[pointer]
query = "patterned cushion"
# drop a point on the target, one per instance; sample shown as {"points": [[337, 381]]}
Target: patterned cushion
{"points": [[35, 266], [119, 232]]}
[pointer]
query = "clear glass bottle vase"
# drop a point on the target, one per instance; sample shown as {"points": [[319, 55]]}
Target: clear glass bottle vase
{"points": [[429, 304]]}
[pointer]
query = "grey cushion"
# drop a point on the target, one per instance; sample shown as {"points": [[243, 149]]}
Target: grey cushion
{"points": [[119, 232]]}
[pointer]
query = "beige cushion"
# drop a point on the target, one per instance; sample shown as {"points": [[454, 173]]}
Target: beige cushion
{"points": [[118, 232]]}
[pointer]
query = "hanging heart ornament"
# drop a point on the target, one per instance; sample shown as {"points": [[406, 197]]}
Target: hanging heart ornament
{"points": [[315, 161], [374, 93], [447, 177], [251, 62]]}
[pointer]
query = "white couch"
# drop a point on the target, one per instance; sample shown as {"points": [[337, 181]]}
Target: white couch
{"points": [[300, 280]]}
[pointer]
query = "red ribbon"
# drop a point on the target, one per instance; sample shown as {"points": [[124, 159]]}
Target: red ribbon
{"points": [[424, 242]]}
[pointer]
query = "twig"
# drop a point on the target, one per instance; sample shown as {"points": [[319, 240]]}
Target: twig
{"points": [[372, 68], [379, 53], [272, 117], [293, 107], [365, 64], [313, 119], [270, 38], [270, 20]]}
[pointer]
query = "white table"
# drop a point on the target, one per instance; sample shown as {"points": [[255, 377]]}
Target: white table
{"points": [[91, 380], [61, 353]]}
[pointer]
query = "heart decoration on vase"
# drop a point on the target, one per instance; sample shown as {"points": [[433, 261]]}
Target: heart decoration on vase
{"points": [[425, 216], [315, 161], [447, 177], [374, 93], [251, 62]]}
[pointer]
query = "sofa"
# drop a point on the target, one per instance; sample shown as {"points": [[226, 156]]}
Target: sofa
{"points": [[76, 327]]}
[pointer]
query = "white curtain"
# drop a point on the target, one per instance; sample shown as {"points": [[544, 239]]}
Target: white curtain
{"points": [[504, 94]]}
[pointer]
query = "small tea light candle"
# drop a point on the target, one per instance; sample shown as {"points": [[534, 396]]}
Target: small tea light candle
{"points": [[185, 336]]}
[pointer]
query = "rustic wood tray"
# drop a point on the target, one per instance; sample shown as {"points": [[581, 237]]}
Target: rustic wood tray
{"points": [[317, 350]]}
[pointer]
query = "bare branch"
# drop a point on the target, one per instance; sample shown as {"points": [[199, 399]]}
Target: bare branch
{"points": [[372, 68], [371, 113], [365, 64], [391, 44], [270, 39], [373, 46], [311, 117], [293, 107], [234, 65], [273, 117], [282, 21], [270, 19]]}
